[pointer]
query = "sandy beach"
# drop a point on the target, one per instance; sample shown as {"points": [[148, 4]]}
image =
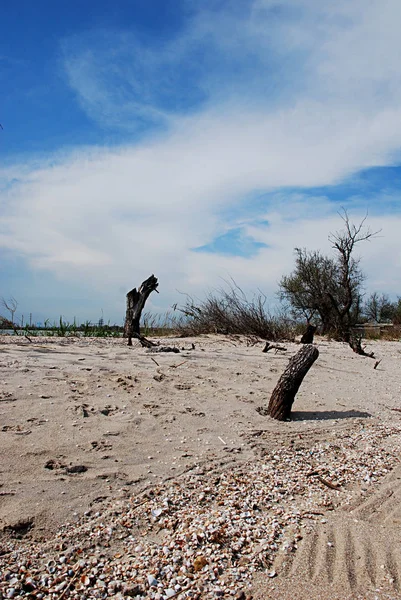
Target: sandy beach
{"points": [[131, 474]]}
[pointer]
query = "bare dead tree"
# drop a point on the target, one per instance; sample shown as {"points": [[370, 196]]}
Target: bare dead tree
{"points": [[11, 305], [350, 276], [136, 300]]}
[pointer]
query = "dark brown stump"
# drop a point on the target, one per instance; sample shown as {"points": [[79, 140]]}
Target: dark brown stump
{"points": [[307, 337], [136, 300], [283, 395]]}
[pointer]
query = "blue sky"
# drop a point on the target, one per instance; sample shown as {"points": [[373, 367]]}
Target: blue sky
{"points": [[197, 140]]}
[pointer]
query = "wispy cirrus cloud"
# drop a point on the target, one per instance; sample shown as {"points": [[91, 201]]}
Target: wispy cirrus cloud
{"points": [[259, 53]]}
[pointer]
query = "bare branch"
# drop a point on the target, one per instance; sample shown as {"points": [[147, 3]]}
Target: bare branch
{"points": [[344, 241], [11, 305]]}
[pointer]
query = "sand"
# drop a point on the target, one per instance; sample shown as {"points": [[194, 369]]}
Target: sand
{"points": [[88, 422]]}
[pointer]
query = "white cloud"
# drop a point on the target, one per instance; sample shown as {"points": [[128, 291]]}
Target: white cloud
{"points": [[113, 216]]}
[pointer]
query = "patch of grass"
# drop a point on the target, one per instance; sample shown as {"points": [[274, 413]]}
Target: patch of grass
{"points": [[60, 329], [63, 328], [103, 331]]}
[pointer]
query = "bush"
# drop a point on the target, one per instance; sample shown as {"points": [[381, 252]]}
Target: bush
{"points": [[230, 312], [5, 323]]}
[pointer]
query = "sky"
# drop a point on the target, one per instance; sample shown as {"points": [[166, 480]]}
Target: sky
{"points": [[199, 140]]}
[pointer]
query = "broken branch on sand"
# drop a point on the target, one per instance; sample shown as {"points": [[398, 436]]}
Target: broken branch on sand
{"points": [[276, 347]]}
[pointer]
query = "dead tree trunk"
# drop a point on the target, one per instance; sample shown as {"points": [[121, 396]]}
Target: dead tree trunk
{"points": [[307, 337], [283, 395], [136, 300]]}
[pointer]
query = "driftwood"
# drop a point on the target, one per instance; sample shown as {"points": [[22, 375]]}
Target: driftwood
{"points": [[276, 347], [151, 346], [307, 337], [136, 300], [283, 395], [163, 349], [355, 341], [145, 343]]}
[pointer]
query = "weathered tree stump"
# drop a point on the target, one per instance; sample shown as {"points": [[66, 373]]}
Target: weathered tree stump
{"points": [[283, 395], [136, 300], [307, 337]]}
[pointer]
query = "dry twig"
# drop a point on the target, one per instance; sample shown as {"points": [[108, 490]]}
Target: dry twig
{"points": [[179, 364], [329, 484]]}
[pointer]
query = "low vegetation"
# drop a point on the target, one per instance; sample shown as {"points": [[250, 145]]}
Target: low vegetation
{"points": [[229, 311], [62, 329]]}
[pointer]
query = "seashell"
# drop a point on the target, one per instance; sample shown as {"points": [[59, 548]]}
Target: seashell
{"points": [[85, 580], [230, 523], [60, 586], [199, 563], [152, 581]]}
